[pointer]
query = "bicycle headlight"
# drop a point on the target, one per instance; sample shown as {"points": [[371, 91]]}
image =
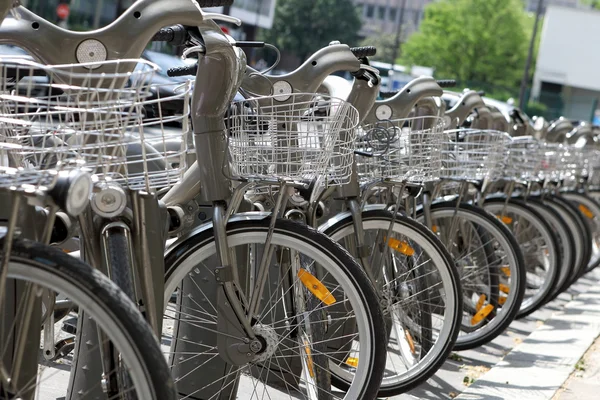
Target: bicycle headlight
{"points": [[78, 195]]}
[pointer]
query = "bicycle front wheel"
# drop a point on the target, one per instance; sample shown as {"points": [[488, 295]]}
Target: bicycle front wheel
{"points": [[420, 290], [306, 339], [38, 274]]}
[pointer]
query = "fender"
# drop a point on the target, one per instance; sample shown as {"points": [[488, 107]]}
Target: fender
{"points": [[172, 245], [340, 216]]}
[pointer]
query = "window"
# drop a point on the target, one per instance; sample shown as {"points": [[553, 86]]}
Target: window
{"points": [[370, 11], [381, 12], [393, 14]]}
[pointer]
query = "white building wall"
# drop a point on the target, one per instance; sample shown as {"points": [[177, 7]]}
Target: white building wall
{"points": [[569, 51]]}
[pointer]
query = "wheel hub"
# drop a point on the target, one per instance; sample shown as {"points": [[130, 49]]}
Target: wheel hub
{"points": [[268, 338]]}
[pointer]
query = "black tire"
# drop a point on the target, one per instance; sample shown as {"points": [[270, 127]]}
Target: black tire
{"points": [[565, 240], [519, 281], [584, 227], [579, 198], [110, 300], [455, 318], [119, 267], [552, 279], [376, 364]]}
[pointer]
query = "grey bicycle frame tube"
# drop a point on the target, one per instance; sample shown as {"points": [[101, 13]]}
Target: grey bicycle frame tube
{"points": [[400, 105], [484, 118], [498, 121], [125, 38], [558, 130], [31, 222], [581, 131], [308, 77], [469, 101]]}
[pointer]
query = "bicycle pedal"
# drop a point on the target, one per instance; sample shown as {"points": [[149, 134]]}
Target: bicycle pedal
{"points": [[70, 326]]}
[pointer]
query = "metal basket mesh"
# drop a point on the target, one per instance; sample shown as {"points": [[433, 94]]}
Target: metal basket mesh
{"points": [[308, 137], [406, 150], [524, 159], [52, 115], [473, 155], [550, 155]]}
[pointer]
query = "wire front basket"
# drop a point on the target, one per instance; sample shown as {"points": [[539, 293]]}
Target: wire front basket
{"points": [[550, 156], [473, 155], [309, 137], [403, 150], [524, 160], [97, 114]]}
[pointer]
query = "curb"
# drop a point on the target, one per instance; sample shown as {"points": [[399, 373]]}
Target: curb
{"points": [[537, 367]]}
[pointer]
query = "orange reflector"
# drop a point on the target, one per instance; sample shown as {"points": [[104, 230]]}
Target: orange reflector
{"points": [[352, 361], [481, 314], [309, 361], [316, 287], [586, 211], [401, 246], [503, 288], [505, 270], [410, 341], [480, 302], [504, 218], [502, 300], [434, 229]]}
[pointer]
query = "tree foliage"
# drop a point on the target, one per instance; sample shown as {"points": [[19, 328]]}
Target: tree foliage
{"points": [[384, 42], [482, 41], [304, 26], [592, 3]]}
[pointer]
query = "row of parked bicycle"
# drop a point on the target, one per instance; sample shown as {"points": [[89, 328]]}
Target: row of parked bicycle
{"points": [[317, 239]]}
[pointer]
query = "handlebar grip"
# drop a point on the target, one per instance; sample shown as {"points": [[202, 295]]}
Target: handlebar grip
{"points": [[183, 71], [214, 3], [364, 51], [481, 93], [445, 83], [176, 34]]}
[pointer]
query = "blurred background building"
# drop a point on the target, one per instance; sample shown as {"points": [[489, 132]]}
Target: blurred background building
{"points": [[566, 76], [383, 16]]}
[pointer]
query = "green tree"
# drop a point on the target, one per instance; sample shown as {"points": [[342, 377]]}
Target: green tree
{"points": [[592, 3], [384, 42], [304, 26], [483, 41]]}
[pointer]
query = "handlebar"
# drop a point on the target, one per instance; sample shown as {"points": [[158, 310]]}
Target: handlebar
{"points": [[401, 103], [214, 3], [468, 102], [183, 71], [125, 38], [306, 78], [443, 83], [176, 35], [364, 51]]}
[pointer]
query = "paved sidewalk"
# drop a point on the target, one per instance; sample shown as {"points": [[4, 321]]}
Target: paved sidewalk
{"points": [[584, 382], [537, 368]]}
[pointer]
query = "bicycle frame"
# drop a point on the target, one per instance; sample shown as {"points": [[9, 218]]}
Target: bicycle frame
{"points": [[221, 69]]}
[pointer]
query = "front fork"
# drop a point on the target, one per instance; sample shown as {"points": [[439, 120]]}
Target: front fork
{"points": [[21, 304]]}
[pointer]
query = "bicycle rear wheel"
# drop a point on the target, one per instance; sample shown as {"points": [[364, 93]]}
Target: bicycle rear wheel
{"points": [[420, 290], [590, 210], [567, 240], [490, 266], [305, 339], [538, 244], [35, 270]]}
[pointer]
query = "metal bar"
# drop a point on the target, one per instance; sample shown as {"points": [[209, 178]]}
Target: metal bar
{"points": [[267, 254]]}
